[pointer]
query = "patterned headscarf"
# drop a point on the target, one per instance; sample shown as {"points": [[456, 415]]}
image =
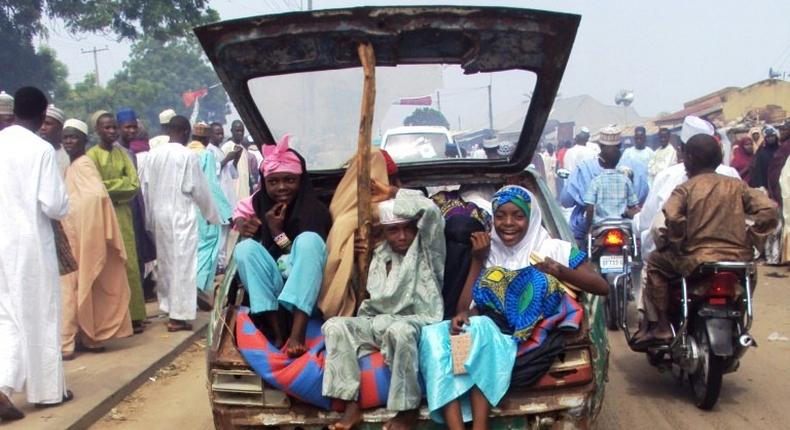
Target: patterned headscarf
{"points": [[512, 194]]}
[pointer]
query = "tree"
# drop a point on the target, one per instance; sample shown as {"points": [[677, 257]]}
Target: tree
{"points": [[426, 116], [20, 23], [157, 74]]}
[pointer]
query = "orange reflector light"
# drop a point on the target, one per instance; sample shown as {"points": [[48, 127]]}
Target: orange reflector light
{"points": [[723, 285], [614, 238]]}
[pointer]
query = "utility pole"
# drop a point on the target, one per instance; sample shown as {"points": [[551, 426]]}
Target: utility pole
{"points": [[95, 60], [309, 4], [438, 102], [490, 104]]}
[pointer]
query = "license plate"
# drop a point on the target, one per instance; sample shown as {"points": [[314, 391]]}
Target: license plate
{"points": [[610, 263]]}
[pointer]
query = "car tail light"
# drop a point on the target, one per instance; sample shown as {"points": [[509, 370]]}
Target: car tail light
{"points": [[721, 288], [614, 238]]}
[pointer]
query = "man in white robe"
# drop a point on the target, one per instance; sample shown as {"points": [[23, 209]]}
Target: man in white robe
{"points": [[580, 151], [174, 188], [663, 157], [31, 195], [227, 175], [164, 119]]}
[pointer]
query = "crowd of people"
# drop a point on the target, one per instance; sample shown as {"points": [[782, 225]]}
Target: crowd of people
{"points": [[103, 220], [93, 228]]}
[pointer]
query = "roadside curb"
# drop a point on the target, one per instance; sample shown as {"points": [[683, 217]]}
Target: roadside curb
{"points": [[100, 410]]}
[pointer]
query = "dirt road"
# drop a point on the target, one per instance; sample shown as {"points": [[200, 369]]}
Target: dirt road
{"points": [[756, 396], [637, 396], [174, 398]]}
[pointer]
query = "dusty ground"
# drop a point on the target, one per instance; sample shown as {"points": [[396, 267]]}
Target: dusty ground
{"points": [[175, 396], [637, 396], [756, 396]]}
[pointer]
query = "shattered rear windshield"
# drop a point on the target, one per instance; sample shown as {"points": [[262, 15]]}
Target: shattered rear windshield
{"points": [[423, 113]]}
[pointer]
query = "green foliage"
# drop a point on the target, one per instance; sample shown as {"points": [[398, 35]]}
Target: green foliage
{"points": [[152, 80], [20, 22], [426, 116]]}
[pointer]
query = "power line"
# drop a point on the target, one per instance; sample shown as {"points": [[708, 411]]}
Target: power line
{"points": [[94, 51]]}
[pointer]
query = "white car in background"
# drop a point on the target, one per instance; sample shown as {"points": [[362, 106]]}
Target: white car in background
{"points": [[417, 143]]}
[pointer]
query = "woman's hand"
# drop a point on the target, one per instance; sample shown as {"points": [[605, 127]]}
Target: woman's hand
{"points": [[550, 267], [380, 192], [247, 227], [458, 322], [275, 218], [481, 245]]}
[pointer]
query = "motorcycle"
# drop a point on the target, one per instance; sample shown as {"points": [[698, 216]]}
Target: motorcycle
{"points": [[614, 251], [711, 314]]}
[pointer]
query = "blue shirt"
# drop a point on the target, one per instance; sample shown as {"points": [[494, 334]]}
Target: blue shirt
{"points": [[572, 195], [611, 193]]}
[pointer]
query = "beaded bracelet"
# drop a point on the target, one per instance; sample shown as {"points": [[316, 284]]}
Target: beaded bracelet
{"points": [[282, 241]]}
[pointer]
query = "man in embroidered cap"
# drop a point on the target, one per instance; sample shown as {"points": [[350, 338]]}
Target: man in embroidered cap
{"points": [[31, 195], [578, 184], [175, 189], [405, 293], [164, 134], [50, 131], [611, 194], [95, 297], [6, 110], [282, 265], [208, 235], [663, 157], [119, 176], [705, 221]]}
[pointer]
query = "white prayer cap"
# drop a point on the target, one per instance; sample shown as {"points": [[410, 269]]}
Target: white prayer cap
{"points": [[6, 103], [387, 213], [166, 115], [77, 125], [491, 143], [609, 136], [55, 113], [692, 126], [584, 130]]}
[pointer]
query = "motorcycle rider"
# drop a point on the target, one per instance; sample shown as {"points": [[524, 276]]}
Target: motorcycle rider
{"points": [[705, 219]]}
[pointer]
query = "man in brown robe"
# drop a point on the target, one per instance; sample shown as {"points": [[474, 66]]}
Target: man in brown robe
{"points": [[96, 296], [705, 222]]}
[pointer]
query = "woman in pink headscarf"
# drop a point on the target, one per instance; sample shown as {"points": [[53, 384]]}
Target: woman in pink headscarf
{"points": [[282, 262]]}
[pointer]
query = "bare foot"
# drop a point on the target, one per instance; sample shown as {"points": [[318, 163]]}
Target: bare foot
{"points": [[9, 412], [351, 417], [295, 347], [403, 420]]}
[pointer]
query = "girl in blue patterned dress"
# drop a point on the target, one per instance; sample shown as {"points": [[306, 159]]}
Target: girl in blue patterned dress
{"points": [[502, 283]]}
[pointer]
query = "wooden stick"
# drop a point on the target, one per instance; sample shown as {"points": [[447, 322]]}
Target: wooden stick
{"points": [[364, 218]]}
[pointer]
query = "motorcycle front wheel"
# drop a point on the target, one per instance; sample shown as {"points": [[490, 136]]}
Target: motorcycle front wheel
{"points": [[706, 381]]}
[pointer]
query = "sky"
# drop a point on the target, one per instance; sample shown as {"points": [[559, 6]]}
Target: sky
{"points": [[666, 52]]}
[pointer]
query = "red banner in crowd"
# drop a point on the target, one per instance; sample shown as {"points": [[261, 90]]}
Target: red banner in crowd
{"points": [[415, 101], [189, 97]]}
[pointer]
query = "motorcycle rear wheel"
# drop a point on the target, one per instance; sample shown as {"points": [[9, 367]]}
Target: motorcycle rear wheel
{"points": [[706, 381]]}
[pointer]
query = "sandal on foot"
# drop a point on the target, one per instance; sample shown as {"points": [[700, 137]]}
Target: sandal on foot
{"points": [[178, 326], [69, 396]]}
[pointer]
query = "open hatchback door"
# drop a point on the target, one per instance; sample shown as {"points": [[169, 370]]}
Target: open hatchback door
{"points": [[449, 81]]}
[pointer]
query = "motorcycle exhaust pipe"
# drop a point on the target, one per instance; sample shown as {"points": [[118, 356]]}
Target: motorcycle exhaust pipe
{"points": [[746, 340]]}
